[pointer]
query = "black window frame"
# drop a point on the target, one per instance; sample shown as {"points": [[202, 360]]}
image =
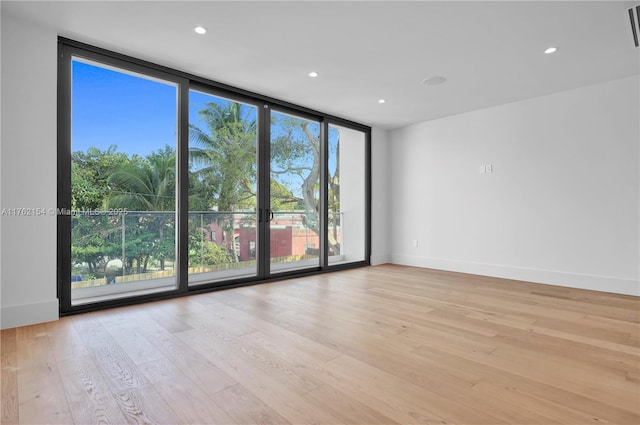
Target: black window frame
{"points": [[68, 48]]}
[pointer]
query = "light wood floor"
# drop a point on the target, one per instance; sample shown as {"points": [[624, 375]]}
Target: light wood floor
{"points": [[377, 345]]}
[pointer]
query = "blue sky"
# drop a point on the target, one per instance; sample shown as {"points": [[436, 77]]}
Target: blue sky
{"points": [[136, 114], [112, 108]]}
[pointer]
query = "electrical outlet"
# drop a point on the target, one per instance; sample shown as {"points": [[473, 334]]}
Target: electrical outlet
{"points": [[488, 168], [414, 243]]}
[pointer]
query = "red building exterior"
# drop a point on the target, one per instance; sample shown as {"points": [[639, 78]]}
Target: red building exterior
{"points": [[288, 238]]}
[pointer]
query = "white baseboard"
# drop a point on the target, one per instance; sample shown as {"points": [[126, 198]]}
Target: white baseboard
{"points": [[28, 314], [550, 277], [376, 260]]}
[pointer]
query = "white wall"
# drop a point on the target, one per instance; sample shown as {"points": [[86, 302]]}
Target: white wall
{"points": [[561, 206], [380, 217], [28, 169]]}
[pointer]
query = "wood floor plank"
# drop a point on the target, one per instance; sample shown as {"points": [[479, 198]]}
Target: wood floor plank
{"points": [[581, 328], [296, 379], [190, 404], [271, 326], [546, 393], [397, 398], [64, 339], [531, 327], [143, 405], [374, 345], [531, 410], [89, 395], [578, 378], [169, 322], [9, 377], [604, 359], [40, 391], [344, 407], [203, 373], [344, 310], [385, 354], [270, 390], [122, 325], [294, 355], [112, 361], [245, 408], [265, 310], [568, 400]]}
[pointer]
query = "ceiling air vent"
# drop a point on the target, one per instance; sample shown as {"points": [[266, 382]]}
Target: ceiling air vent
{"points": [[634, 18]]}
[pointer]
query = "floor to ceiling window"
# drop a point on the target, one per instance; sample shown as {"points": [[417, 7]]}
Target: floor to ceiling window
{"points": [[346, 195], [170, 183], [294, 219], [223, 142], [123, 182]]}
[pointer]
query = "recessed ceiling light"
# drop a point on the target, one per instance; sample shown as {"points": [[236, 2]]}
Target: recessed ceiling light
{"points": [[434, 81], [382, 101], [313, 74], [200, 30], [551, 50]]}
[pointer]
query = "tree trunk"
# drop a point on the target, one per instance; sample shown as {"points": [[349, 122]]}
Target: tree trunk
{"points": [[308, 185], [312, 221]]}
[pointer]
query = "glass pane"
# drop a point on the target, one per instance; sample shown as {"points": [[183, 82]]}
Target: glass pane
{"points": [[346, 195], [123, 185], [295, 184], [222, 188]]}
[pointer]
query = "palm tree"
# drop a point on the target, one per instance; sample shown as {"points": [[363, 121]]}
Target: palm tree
{"points": [[223, 160], [147, 184], [225, 155]]}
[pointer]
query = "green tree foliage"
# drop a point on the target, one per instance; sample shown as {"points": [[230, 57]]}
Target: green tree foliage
{"points": [[295, 164], [282, 199], [223, 178], [95, 238], [223, 158], [295, 161], [113, 180], [208, 254], [203, 252], [89, 173], [223, 162], [147, 184]]}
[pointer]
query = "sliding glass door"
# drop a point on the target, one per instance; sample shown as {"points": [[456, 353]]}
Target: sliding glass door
{"points": [[223, 142], [169, 183], [347, 200], [123, 182], [294, 219]]}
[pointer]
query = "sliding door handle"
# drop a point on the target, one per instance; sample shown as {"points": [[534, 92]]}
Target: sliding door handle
{"points": [[267, 217]]}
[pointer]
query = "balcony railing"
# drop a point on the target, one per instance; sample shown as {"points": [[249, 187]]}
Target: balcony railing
{"points": [[112, 248]]}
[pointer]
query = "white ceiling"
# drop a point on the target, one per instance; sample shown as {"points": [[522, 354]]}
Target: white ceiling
{"points": [[490, 52]]}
